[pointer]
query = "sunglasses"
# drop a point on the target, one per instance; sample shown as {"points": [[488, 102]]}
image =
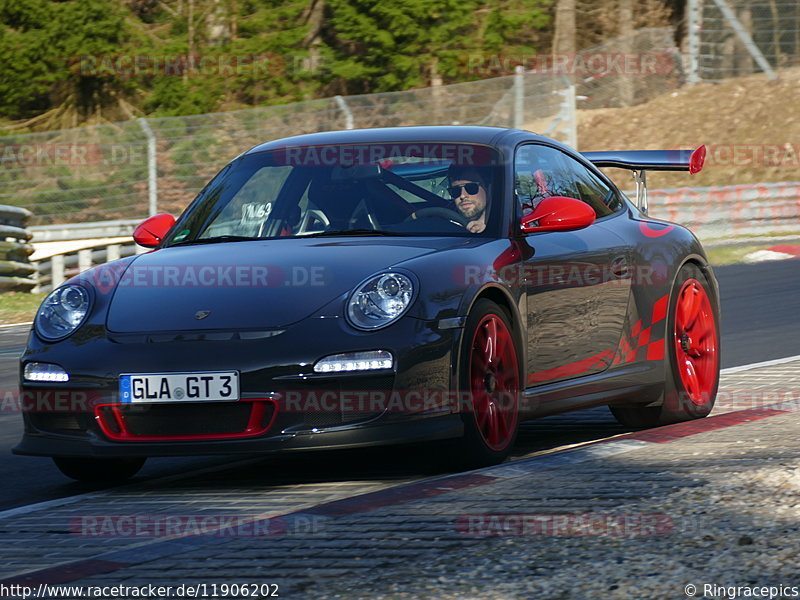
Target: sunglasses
{"points": [[471, 187]]}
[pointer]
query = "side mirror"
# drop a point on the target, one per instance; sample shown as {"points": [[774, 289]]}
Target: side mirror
{"points": [[150, 233], [558, 213]]}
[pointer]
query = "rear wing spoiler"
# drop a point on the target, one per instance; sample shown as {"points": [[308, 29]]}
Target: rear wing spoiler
{"points": [[641, 161]]}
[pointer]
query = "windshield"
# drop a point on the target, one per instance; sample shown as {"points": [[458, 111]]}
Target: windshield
{"points": [[388, 189]]}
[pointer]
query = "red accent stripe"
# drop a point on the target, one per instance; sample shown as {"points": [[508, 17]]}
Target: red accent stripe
{"points": [[660, 309], [252, 429], [644, 338], [398, 495], [572, 369], [670, 433], [647, 229]]}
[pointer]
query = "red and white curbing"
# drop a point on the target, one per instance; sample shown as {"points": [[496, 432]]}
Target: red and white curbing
{"points": [[781, 252]]}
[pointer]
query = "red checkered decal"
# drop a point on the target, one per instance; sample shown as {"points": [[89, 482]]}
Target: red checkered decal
{"points": [[637, 345], [633, 346]]}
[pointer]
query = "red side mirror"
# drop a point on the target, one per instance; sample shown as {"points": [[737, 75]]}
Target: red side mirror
{"points": [[150, 233], [558, 213]]}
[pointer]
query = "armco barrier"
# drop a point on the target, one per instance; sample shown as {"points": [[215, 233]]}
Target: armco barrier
{"points": [[54, 270], [83, 231], [732, 211], [16, 273]]}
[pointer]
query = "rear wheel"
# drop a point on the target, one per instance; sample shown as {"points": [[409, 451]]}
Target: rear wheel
{"points": [[490, 375], [691, 357], [98, 470]]}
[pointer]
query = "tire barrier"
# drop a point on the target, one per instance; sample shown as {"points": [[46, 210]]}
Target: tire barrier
{"points": [[17, 274]]}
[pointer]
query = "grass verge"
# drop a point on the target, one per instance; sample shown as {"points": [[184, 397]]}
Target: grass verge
{"points": [[19, 307], [729, 255]]}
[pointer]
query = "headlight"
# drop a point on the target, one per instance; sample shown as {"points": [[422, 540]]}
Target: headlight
{"points": [[380, 300], [62, 312]]}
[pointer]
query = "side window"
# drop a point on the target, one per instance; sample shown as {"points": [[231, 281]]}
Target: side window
{"points": [[603, 199], [540, 172]]}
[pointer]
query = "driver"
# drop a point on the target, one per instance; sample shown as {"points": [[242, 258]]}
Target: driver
{"points": [[468, 189]]}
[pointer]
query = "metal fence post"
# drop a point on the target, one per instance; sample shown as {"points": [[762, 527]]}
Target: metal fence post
{"points": [[112, 252], [152, 167], [57, 270], [84, 260], [693, 41], [748, 42], [348, 116], [519, 96], [572, 117]]}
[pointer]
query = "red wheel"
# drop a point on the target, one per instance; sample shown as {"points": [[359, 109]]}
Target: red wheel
{"points": [[695, 338], [494, 382], [691, 361], [490, 373]]}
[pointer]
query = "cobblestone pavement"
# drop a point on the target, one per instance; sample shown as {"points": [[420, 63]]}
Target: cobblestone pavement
{"points": [[709, 503]]}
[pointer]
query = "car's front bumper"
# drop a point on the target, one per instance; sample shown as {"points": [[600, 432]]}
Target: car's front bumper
{"points": [[410, 402]]}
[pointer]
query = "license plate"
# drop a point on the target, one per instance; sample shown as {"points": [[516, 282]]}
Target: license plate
{"points": [[179, 387]]}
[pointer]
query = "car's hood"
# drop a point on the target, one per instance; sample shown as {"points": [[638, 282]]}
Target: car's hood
{"points": [[255, 284]]}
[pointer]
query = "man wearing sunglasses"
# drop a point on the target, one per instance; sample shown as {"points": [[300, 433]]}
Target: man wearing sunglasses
{"points": [[468, 191]]}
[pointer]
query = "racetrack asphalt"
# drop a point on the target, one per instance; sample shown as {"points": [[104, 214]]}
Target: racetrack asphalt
{"points": [[648, 514], [760, 308], [416, 534], [760, 311]]}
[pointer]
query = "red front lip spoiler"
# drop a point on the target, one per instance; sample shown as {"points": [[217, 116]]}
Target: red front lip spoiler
{"points": [[111, 421]]}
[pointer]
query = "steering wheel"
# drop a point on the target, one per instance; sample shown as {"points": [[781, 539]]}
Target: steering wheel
{"points": [[441, 213]]}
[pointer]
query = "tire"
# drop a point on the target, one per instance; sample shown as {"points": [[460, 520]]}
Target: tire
{"points": [[490, 377], [691, 357], [98, 470]]}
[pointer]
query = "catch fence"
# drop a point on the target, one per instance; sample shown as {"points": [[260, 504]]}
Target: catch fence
{"points": [[135, 168]]}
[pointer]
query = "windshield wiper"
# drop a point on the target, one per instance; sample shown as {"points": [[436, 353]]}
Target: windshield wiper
{"points": [[217, 239], [346, 232]]}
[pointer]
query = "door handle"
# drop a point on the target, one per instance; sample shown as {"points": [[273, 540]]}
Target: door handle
{"points": [[620, 268]]}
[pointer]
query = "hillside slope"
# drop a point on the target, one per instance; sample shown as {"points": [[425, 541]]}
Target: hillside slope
{"points": [[750, 125]]}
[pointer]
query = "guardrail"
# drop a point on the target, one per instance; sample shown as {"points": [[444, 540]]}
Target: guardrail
{"points": [[16, 272], [83, 231], [54, 270], [720, 213]]}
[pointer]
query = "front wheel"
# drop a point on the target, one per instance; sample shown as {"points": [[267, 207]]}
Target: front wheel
{"points": [[691, 357], [490, 382], [98, 470]]}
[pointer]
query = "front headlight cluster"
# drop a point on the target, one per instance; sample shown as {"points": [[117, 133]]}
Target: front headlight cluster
{"points": [[380, 300], [62, 312]]}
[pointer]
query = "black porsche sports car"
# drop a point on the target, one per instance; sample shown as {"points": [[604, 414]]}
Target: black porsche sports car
{"points": [[380, 286]]}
